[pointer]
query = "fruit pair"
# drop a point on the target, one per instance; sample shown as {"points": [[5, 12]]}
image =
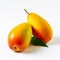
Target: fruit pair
{"points": [[20, 36]]}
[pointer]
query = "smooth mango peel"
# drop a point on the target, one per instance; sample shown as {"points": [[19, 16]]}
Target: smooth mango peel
{"points": [[20, 37], [40, 27]]}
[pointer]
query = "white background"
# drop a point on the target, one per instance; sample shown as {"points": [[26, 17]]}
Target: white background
{"points": [[12, 13]]}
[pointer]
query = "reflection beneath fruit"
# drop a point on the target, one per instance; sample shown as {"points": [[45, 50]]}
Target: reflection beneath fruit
{"points": [[31, 49], [34, 49]]}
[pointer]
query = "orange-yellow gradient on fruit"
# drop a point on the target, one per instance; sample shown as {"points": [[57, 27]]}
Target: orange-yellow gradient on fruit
{"points": [[40, 27], [20, 36]]}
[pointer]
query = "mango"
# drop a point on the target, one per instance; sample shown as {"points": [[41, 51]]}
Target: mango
{"points": [[19, 37], [40, 27]]}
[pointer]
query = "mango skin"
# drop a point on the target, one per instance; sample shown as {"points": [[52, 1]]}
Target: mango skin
{"points": [[20, 36], [41, 28]]}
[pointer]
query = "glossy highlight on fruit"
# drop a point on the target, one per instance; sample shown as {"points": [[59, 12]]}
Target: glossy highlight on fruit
{"points": [[20, 37], [40, 27]]}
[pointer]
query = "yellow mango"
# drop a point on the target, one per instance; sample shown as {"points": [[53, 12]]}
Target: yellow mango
{"points": [[40, 27], [19, 37]]}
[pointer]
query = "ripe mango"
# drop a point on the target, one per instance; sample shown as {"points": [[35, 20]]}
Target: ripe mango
{"points": [[40, 27], [20, 37]]}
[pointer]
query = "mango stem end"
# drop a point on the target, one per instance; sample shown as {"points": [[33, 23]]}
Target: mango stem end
{"points": [[26, 11]]}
